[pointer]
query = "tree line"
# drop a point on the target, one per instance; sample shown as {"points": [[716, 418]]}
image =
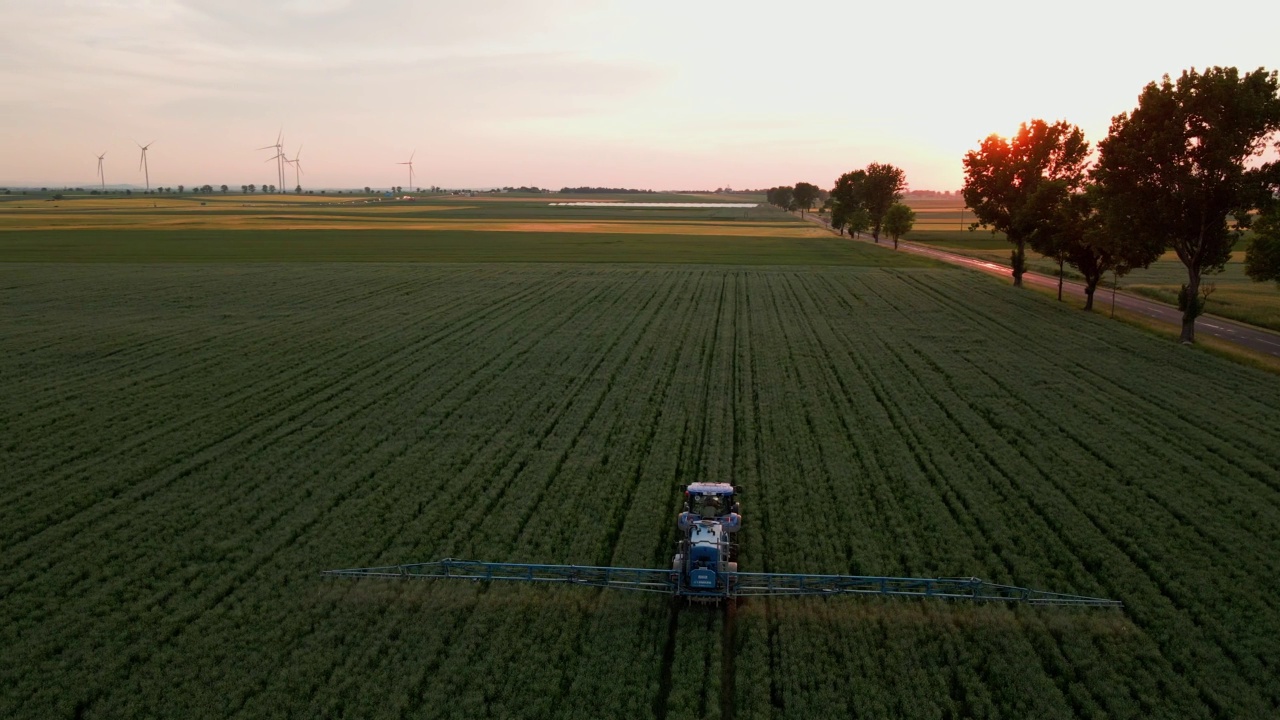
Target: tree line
{"points": [[864, 200], [584, 190], [1178, 173], [1182, 172]]}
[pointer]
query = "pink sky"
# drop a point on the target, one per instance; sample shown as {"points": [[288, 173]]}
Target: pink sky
{"points": [[655, 94]]}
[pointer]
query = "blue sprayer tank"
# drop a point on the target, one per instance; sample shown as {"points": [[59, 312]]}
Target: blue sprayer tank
{"points": [[706, 552]]}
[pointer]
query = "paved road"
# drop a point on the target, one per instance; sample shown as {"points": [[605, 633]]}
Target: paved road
{"points": [[1248, 336]]}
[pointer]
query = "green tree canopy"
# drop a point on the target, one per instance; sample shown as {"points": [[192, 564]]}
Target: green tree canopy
{"points": [[805, 195], [858, 221], [898, 220], [1076, 234], [847, 199], [1175, 170], [1262, 259], [882, 188], [1002, 178], [782, 196]]}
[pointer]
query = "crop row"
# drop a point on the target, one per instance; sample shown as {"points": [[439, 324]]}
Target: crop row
{"points": [[190, 446]]}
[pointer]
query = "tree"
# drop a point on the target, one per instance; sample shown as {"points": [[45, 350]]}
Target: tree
{"points": [[1174, 170], [883, 186], [782, 196], [366, 188], [1262, 259], [858, 221], [805, 195], [224, 189], [1077, 234], [181, 188], [898, 220], [1002, 177], [253, 188], [1056, 230], [846, 198]]}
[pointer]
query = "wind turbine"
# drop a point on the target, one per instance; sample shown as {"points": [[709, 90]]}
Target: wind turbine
{"points": [[279, 157], [297, 167], [142, 163], [410, 164], [102, 177], [280, 160]]}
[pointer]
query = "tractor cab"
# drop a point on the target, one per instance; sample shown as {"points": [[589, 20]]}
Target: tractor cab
{"points": [[705, 502]]}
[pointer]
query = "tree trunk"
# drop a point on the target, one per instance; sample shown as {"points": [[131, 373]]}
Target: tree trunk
{"points": [[1191, 308], [1019, 261], [895, 242], [1060, 279], [1090, 285]]}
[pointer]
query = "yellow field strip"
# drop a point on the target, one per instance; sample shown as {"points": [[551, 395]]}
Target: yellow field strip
{"points": [[96, 208], [22, 222]]}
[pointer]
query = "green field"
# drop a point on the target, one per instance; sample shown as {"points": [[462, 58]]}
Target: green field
{"points": [[206, 245], [444, 229], [187, 445], [1235, 296]]}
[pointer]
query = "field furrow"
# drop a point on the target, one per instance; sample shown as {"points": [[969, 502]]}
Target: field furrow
{"points": [[186, 447]]}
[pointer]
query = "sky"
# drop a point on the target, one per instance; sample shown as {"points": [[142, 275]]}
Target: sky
{"points": [[553, 93]]}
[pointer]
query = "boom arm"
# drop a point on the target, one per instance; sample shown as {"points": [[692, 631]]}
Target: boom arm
{"points": [[624, 578], [748, 584], [740, 584]]}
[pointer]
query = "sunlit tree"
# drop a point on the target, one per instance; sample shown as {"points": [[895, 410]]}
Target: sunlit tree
{"points": [[1003, 175]]}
